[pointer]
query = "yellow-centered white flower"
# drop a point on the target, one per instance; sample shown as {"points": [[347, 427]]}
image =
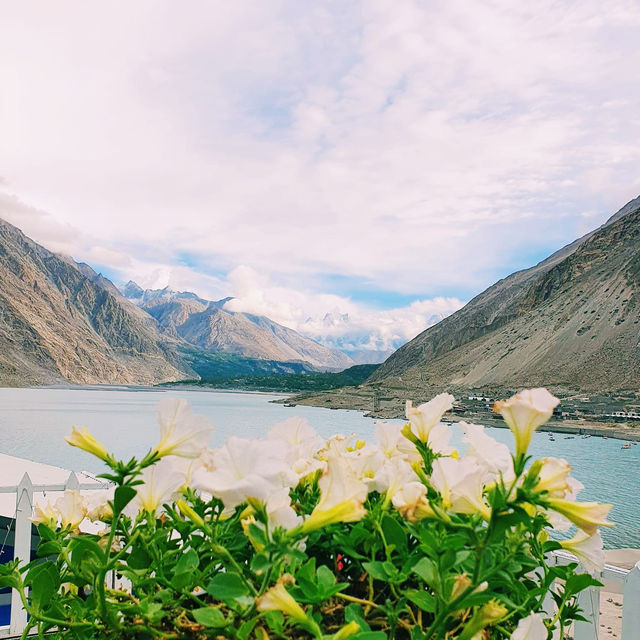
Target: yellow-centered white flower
{"points": [[245, 468], [525, 412], [161, 481], [426, 416], [45, 513], [588, 549], [411, 502], [97, 502], [72, 508], [553, 476], [460, 483], [342, 496], [530, 628], [490, 454], [439, 438], [182, 433], [393, 444], [392, 475]]}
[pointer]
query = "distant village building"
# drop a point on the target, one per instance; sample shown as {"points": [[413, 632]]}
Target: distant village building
{"points": [[623, 415]]}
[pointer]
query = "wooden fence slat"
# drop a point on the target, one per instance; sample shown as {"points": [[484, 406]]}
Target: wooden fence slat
{"points": [[21, 547], [631, 605]]}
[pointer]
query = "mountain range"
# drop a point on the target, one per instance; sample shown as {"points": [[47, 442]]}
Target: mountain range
{"points": [[60, 321], [208, 326]]}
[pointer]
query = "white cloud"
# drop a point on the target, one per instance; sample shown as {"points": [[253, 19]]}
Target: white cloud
{"points": [[415, 147], [333, 320]]}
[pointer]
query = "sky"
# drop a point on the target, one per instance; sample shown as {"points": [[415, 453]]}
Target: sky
{"points": [[353, 170]]}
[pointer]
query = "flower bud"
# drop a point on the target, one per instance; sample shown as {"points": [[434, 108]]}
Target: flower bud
{"points": [[483, 617], [277, 598], [189, 513], [84, 440], [347, 631]]}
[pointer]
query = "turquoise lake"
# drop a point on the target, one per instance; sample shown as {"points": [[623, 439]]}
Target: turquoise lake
{"points": [[33, 423]]}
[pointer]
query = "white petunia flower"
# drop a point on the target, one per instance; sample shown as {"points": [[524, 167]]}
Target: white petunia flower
{"points": [[280, 512], [426, 416], [588, 549], [342, 496], [553, 476], [410, 500], [245, 468], [530, 628], [525, 412], [299, 435], [391, 476], [439, 438], [490, 454], [72, 508], [182, 433], [393, 444], [459, 482], [161, 481]]}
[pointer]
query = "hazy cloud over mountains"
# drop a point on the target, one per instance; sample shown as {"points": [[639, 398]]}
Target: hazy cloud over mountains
{"points": [[417, 150]]}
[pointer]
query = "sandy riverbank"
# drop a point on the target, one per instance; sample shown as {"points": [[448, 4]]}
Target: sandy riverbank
{"points": [[391, 406]]}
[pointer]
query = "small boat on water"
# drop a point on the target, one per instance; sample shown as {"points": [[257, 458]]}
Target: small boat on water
{"points": [[626, 445], [569, 437], [552, 439]]}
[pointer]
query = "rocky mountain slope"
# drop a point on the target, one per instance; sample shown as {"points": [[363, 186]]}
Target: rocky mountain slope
{"points": [[59, 322], [570, 323], [206, 325]]}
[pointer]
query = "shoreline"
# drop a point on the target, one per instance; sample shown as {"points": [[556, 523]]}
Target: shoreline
{"points": [[393, 409]]}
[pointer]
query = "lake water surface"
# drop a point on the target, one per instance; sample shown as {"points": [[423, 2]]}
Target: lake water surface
{"points": [[33, 423]]}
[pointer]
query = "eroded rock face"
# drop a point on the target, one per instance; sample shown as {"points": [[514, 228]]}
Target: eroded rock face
{"points": [[571, 322], [58, 322]]}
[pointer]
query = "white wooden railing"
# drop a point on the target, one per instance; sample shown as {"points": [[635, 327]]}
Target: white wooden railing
{"points": [[617, 580], [22, 534]]}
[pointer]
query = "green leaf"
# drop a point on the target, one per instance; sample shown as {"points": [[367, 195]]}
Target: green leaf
{"points": [[353, 613], [246, 629], [49, 548], [370, 635], [139, 558], [182, 581], [46, 533], [44, 580], [426, 569], [121, 498], [188, 562], [86, 556], [10, 575], [394, 533], [227, 587], [260, 563], [376, 570], [275, 620], [422, 599], [209, 617], [326, 578], [307, 570]]}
